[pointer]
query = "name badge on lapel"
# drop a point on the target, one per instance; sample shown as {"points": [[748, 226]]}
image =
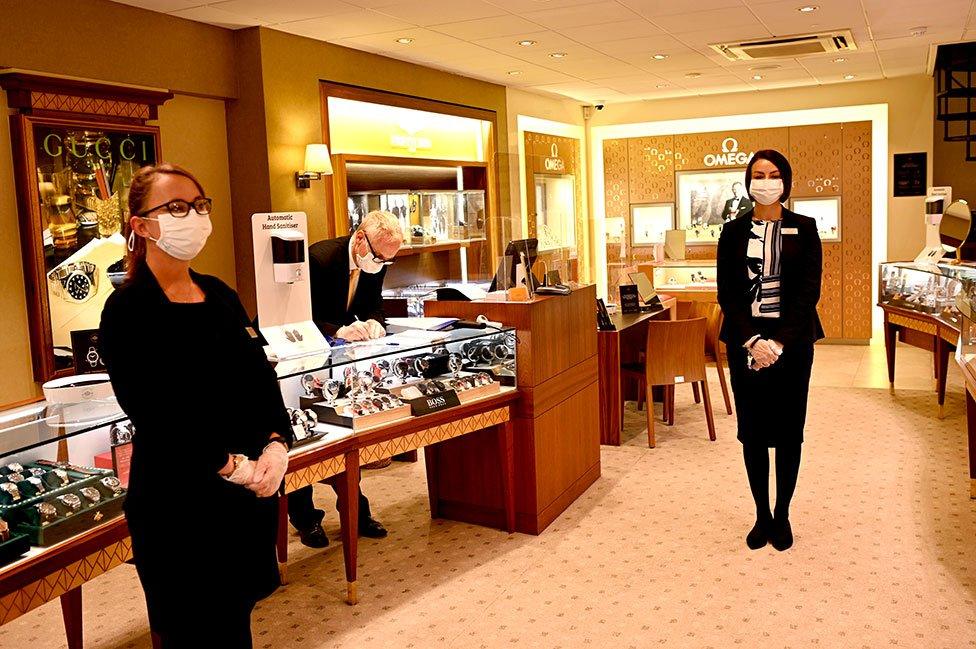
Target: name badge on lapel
{"points": [[791, 231]]}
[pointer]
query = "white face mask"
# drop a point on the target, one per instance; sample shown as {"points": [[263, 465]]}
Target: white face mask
{"points": [[367, 264], [766, 191], [182, 238]]}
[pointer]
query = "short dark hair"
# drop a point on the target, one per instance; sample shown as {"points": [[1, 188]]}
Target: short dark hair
{"points": [[781, 163]]}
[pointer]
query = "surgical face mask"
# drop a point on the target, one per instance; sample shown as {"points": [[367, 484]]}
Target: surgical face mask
{"points": [[766, 191], [367, 264], [182, 238]]}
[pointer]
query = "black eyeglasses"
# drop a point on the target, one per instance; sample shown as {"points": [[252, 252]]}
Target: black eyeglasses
{"points": [[376, 258], [180, 208]]}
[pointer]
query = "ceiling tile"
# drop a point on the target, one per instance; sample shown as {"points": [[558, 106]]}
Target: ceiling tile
{"points": [[916, 42], [590, 68], [895, 18], [723, 34], [347, 25], [217, 17], [582, 15], [699, 21], [533, 76], [522, 6], [610, 33], [654, 8], [583, 91], [275, 11], [486, 27], [686, 60], [782, 18], [161, 5], [386, 41], [642, 47], [547, 42], [435, 12]]}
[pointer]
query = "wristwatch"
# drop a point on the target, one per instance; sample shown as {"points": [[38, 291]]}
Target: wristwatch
{"points": [[455, 363], [15, 477], [4, 531], [91, 493], [11, 490], [76, 282], [37, 483], [71, 501], [14, 467], [113, 484], [56, 478], [47, 512]]}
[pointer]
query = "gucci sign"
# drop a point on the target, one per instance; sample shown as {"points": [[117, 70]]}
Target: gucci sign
{"points": [[729, 157], [554, 162]]}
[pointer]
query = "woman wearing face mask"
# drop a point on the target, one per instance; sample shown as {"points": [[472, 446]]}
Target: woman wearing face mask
{"points": [[209, 450], [769, 268]]}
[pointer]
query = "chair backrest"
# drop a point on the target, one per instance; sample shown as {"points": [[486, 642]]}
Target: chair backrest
{"points": [[675, 349], [711, 312]]}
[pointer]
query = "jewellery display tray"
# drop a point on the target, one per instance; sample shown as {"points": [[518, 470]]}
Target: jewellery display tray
{"points": [[14, 548], [66, 526], [327, 415]]}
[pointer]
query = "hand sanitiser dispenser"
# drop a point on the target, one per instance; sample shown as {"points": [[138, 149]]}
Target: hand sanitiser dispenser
{"points": [[288, 256]]}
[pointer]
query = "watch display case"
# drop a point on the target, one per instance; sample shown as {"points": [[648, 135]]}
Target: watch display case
{"points": [[426, 217], [930, 289], [400, 203], [674, 276], [364, 385]]}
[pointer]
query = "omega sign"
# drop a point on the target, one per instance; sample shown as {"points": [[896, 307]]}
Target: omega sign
{"points": [[554, 162], [730, 155]]}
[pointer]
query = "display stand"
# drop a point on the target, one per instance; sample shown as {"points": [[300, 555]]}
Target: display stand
{"points": [[557, 440]]}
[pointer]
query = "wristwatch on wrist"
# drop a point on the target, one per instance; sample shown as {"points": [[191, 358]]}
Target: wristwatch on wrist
{"points": [[76, 282]]}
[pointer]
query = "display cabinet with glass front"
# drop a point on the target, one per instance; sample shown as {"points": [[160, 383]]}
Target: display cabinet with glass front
{"points": [[555, 211], [929, 289], [395, 378], [693, 275]]}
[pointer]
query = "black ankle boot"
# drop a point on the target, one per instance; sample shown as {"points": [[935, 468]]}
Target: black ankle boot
{"points": [[758, 536], [781, 535]]}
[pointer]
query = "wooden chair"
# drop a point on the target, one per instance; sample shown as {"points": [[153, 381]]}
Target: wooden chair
{"points": [[714, 348], [675, 353]]}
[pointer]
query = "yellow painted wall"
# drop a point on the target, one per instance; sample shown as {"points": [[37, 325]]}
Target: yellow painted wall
{"points": [[909, 100]]}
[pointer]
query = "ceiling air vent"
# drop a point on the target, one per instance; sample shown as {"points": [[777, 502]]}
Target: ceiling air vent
{"points": [[788, 47]]}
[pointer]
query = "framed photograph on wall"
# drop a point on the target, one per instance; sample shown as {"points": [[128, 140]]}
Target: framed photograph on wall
{"points": [[650, 222], [707, 200], [825, 210]]}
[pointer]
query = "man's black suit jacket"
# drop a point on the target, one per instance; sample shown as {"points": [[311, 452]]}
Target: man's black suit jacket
{"points": [[329, 276], [800, 274]]}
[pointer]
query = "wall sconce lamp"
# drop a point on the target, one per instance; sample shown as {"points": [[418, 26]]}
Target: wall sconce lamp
{"points": [[318, 163]]}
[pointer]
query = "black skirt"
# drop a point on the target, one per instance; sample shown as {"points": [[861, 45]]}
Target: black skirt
{"points": [[771, 404]]}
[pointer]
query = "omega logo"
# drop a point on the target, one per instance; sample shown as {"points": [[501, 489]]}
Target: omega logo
{"points": [[730, 155], [554, 162]]}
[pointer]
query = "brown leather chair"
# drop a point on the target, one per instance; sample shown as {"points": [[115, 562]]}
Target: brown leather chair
{"points": [[675, 353], [714, 348]]}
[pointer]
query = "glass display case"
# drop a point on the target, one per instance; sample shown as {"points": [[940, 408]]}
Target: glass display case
{"points": [[930, 289], [426, 217], [471, 214], [64, 466], [406, 374], [402, 204], [684, 275]]}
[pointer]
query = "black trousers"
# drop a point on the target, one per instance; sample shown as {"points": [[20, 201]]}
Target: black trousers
{"points": [[303, 514]]}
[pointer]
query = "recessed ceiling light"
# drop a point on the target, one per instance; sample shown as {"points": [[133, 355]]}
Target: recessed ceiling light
{"points": [[806, 9], [526, 43], [558, 55], [918, 32], [515, 73], [840, 59], [663, 85], [404, 41], [693, 75], [757, 77], [848, 77], [660, 57]]}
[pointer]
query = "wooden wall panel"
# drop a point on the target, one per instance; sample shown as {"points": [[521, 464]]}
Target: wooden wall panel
{"points": [[651, 166], [830, 307], [816, 156], [856, 230]]}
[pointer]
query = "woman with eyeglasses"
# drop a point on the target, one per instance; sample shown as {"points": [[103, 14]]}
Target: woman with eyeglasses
{"points": [[769, 271], [210, 448]]}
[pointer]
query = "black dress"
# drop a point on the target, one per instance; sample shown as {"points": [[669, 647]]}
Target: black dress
{"points": [[771, 404], [197, 387]]}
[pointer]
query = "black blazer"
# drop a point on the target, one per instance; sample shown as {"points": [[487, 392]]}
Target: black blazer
{"points": [[745, 205], [802, 267], [329, 276]]}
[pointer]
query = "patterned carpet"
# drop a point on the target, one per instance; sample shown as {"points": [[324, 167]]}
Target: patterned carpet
{"points": [[652, 555]]}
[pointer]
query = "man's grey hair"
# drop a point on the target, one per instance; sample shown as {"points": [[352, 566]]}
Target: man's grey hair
{"points": [[382, 223]]}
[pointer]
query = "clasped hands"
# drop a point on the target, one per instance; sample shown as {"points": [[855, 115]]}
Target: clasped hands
{"points": [[264, 475], [357, 331], [765, 353]]}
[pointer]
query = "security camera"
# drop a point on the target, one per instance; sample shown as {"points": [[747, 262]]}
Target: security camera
{"points": [[599, 106]]}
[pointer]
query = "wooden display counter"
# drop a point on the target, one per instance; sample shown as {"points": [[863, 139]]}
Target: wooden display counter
{"points": [[557, 417], [929, 332]]}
